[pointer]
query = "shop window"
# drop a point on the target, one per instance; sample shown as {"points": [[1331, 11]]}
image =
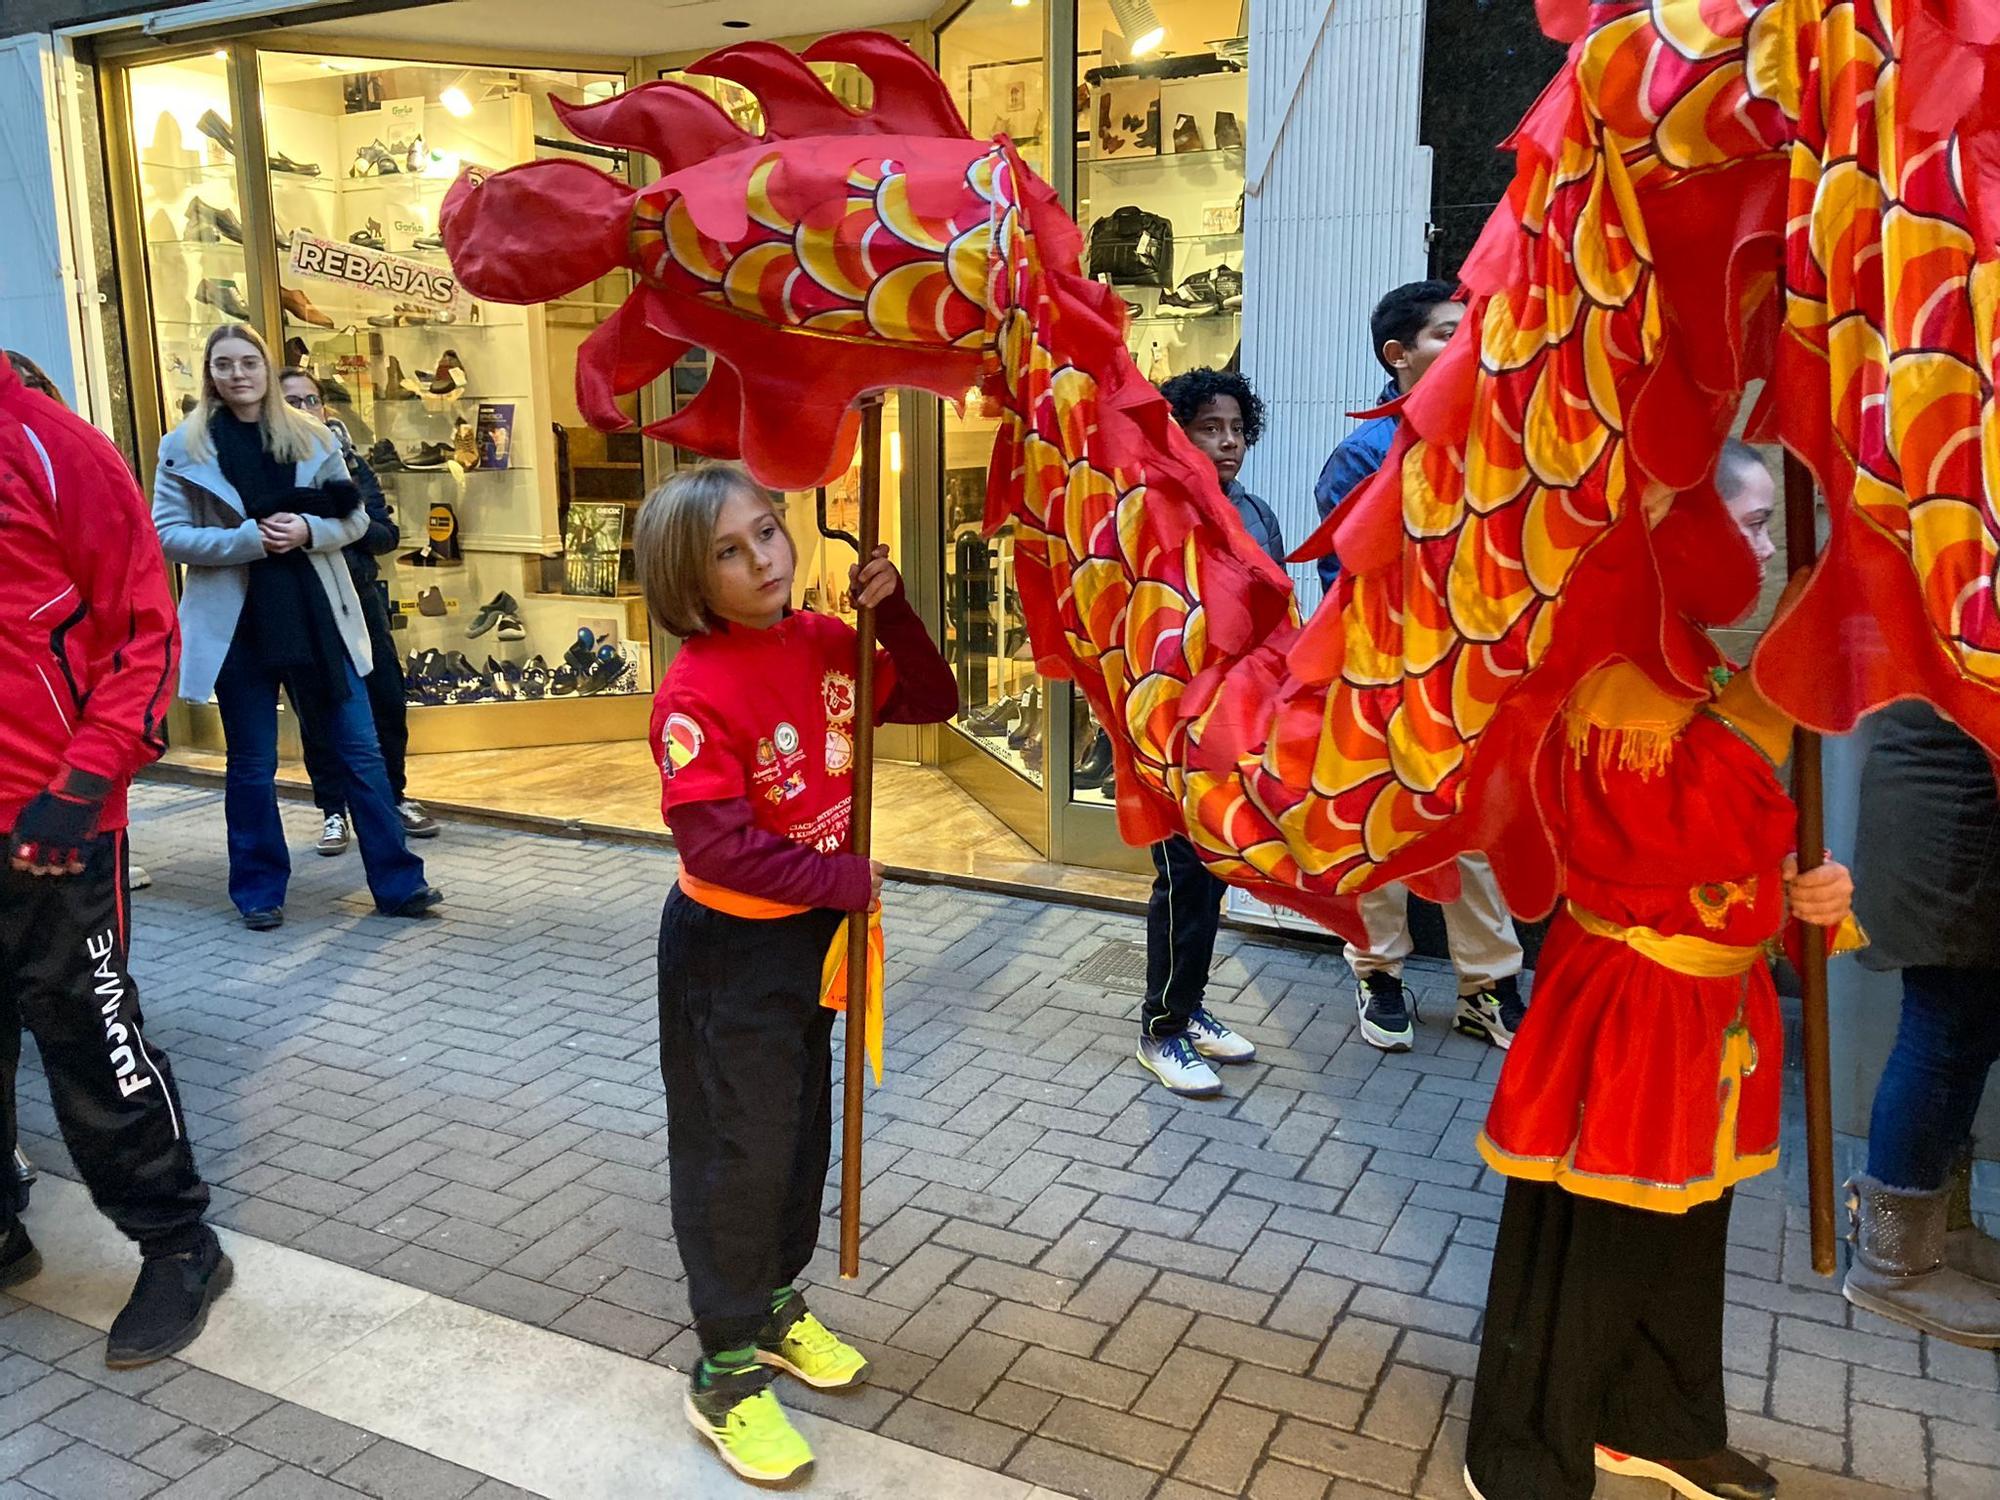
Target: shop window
{"points": [[514, 579]]}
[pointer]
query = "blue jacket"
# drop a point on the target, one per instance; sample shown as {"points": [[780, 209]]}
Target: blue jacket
{"points": [[1259, 520], [1360, 454]]}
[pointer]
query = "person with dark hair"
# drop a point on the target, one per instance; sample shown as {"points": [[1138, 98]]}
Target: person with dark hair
{"points": [[33, 376], [386, 689], [87, 658], [1178, 1037]]}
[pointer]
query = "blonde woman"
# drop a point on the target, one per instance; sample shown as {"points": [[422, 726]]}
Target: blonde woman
{"points": [[254, 499]]}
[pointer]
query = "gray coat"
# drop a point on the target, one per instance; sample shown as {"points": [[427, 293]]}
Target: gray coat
{"points": [[1927, 852], [201, 523]]}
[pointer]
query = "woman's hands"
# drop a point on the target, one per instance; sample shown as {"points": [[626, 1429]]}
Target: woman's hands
{"points": [[1823, 896], [284, 531], [875, 582]]}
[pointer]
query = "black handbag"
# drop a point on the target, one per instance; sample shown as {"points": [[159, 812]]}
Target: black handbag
{"points": [[1133, 248]]}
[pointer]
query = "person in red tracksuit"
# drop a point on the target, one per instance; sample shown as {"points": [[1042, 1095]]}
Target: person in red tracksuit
{"points": [[753, 730], [87, 656]]}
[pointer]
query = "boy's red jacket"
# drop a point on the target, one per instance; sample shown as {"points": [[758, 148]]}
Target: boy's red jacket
{"points": [[88, 641]]}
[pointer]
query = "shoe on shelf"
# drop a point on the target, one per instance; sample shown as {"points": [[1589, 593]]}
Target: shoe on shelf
{"points": [[169, 1304], [394, 387], [464, 443], [206, 224], [502, 603], [217, 129], [422, 904], [265, 919], [581, 650], [603, 673], [298, 305], [430, 456], [562, 682], [1175, 1062], [1384, 1009], [432, 244], [449, 377], [808, 1350], [285, 235], [369, 238], [997, 719], [1229, 284], [416, 158], [1187, 134], [179, 367], [417, 823], [384, 458], [1217, 1042], [19, 1259], [430, 602], [511, 628], [333, 835], [752, 1435], [222, 295], [1228, 133], [1196, 296], [1493, 1014], [505, 677], [1095, 769], [1722, 1475], [373, 160], [535, 678], [283, 163]]}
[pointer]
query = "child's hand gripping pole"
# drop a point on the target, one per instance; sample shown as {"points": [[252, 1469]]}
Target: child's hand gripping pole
{"points": [[859, 840]]}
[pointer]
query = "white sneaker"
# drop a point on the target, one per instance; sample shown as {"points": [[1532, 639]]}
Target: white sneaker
{"points": [[1175, 1063], [1217, 1042], [332, 835], [1493, 1015]]}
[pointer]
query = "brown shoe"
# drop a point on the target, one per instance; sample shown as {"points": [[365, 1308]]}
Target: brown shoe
{"points": [[1722, 1475], [298, 305]]}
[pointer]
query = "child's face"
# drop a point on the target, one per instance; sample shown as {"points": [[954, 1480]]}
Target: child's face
{"points": [[749, 564], [1217, 429], [1411, 360], [1751, 508]]}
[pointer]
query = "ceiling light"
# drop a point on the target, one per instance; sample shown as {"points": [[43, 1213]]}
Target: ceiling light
{"points": [[455, 102], [1022, 4], [1138, 24]]}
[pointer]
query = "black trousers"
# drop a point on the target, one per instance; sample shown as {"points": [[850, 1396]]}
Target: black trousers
{"points": [[746, 1052], [63, 976], [385, 700], [1183, 914], [1603, 1325]]}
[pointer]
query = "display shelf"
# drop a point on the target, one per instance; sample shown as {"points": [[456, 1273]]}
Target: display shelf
{"points": [[200, 247], [190, 169], [1226, 157], [1196, 320]]}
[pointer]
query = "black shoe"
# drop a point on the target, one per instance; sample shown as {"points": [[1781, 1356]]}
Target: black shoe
{"points": [[1197, 296], [535, 679], [283, 163], [169, 1304], [1095, 768], [384, 459], [264, 919], [996, 719], [19, 1259], [24, 1180], [422, 904], [563, 681], [603, 673], [206, 224], [224, 296], [582, 651], [1722, 1475], [217, 129], [1384, 1008], [428, 456], [490, 613], [1228, 133], [428, 243], [1229, 286], [511, 628], [369, 238]]}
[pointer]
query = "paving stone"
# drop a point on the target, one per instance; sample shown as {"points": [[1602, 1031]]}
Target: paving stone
{"points": [[1103, 1384], [1146, 1336], [1183, 1390], [1227, 1447], [28, 1446], [1132, 1440], [1407, 1407], [209, 1401], [81, 1472], [115, 1423], [1355, 1353], [36, 1400], [1279, 1351], [305, 1438], [955, 1434], [1888, 1446], [1072, 1471], [390, 1471], [1810, 1392], [1346, 1455], [182, 1451], [1277, 1480], [963, 1377], [1018, 1406], [1315, 1400], [297, 1484], [1034, 1325]]}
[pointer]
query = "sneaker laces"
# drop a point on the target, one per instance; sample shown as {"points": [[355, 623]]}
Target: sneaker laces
{"points": [[334, 828], [1388, 1001], [1180, 1049], [811, 1335]]}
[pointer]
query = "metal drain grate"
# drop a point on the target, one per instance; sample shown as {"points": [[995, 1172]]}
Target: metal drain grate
{"points": [[1118, 965]]}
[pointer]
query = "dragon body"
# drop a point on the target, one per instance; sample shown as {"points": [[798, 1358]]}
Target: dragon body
{"points": [[1712, 193]]}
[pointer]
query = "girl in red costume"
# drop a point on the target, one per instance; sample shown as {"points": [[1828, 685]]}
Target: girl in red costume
{"points": [[1645, 1084]]}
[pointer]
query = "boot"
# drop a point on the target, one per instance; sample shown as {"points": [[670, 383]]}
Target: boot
{"points": [[1967, 1248], [1899, 1269]]}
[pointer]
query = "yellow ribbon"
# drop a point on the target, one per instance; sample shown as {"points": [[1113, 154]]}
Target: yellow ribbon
{"points": [[833, 984], [1684, 954]]}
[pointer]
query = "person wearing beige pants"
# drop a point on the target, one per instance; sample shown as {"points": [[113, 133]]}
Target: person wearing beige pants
{"points": [[1485, 950]]}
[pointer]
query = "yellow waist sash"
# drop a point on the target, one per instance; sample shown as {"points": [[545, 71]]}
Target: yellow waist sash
{"points": [[1696, 957]]}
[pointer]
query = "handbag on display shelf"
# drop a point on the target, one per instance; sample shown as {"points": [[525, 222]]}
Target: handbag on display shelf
{"points": [[1133, 248]]}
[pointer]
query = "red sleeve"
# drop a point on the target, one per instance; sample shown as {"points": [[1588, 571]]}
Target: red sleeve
{"points": [[105, 529], [921, 687], [720, 842], [693, 746]]}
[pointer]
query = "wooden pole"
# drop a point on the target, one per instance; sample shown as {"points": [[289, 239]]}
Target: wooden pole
{"points": [[1801, 548], [860, 838]]}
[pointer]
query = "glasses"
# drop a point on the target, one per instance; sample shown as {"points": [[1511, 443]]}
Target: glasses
{"points": [[303, 403], [250, 364]]}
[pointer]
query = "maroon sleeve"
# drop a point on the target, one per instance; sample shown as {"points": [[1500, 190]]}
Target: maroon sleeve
{"points": [[113, 556], [922, 690], [719, 843]]}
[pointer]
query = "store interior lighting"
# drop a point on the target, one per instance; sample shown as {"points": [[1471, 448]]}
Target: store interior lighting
{"points": [[455, 102], [1139, 24]]}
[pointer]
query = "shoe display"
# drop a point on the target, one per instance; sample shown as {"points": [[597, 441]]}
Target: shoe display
{"points": [[1094, 770], [416, 158], [511, 628], [430, 244], [1493, 1015], [169, 1303], [223, 295], [373, 160], [464, 443], [1187, 134], [333, 835], [1217, 1042], [205, 225], [429, 456], [217, 129], [581, 651], [997, 719], [1175, 1062], [1383, 1006], [1900, 1272], [298, 305], [1229, 285], [384, 459], [283, 163], [430, 603], [395, 386], [563, 681], [1196, 296], [449, 377], [1228, 131], [536, 679], [1148, 137], [752, 1435], [505, 677], [808, 1350], [490, 612], [1723, 1475], [417, 823], [602, 675], [369, 238], [285, 235]]}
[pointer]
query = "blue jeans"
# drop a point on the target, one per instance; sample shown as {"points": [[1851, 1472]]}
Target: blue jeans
{"points": [[1946, 1043], [259, 863]]}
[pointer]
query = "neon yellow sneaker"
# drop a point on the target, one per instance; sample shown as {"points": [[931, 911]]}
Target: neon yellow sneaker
{"points": [[815, 1355], [755, 1438]]}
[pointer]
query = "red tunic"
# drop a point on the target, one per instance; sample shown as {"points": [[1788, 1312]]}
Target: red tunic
{"points": [[1630, 1080]]}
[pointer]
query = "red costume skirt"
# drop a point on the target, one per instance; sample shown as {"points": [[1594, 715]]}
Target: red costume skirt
{"points": [[1635, 1083]]}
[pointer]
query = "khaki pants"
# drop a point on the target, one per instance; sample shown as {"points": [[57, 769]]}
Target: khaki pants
{"points": [[1477, 929]]}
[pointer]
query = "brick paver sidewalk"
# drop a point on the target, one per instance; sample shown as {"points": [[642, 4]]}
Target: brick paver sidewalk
{"points": [[1070, 1276]]}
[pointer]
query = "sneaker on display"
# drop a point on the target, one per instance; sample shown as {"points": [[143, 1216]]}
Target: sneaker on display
{"points": [[449, 377], [417, 823], [1196, 296], [430, 456], [1229, 285], [428, 243], [535, 678], [1175, 1062], [511, 628], [1493, 1014], [581, 651], [373, 160], [490, 613], [333, 835], [1217, 1042], [1383, 1006], [384, 457], [602, 675]]}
